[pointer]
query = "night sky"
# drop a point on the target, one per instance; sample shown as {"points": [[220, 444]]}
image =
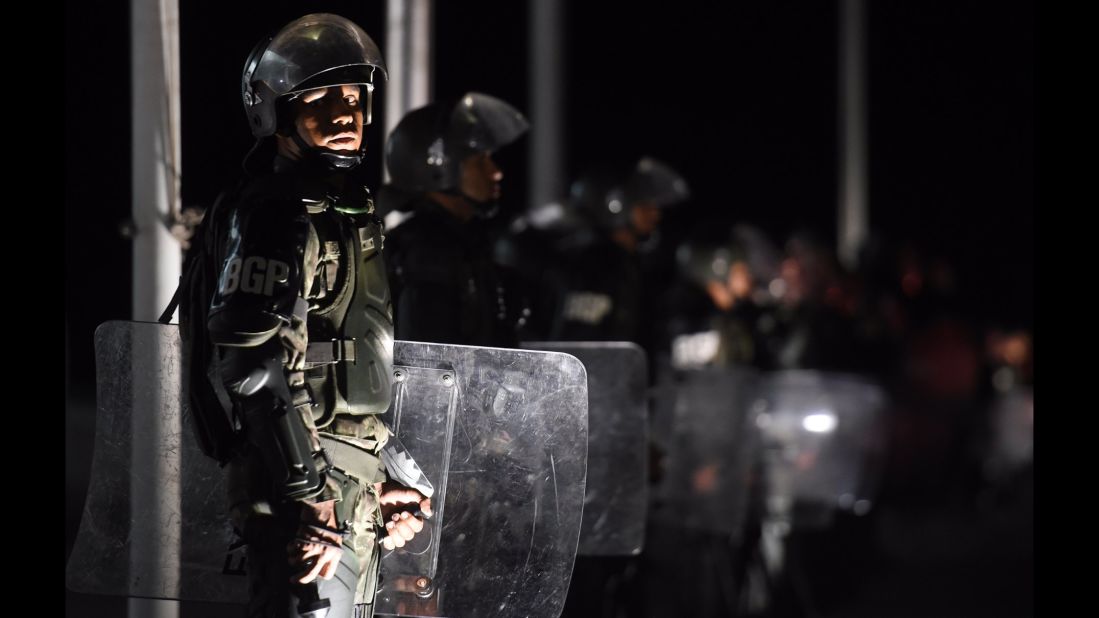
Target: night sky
{"points": [[741, 97]]}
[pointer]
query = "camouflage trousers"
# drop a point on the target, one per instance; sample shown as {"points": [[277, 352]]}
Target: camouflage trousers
{"points": [[268, 526]]}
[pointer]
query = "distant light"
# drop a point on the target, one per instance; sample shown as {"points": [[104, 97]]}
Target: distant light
{"points": [[615, 206], [547, 214], [862, 507], [820, 422], [763, 421], [846, 501], [777, 288]]}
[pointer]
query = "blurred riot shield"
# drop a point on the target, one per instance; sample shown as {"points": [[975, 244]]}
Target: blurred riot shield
{"points": [[1010, 442], [616, 497], [501, 435], [824, 439], [706, 429], [136, 538]]}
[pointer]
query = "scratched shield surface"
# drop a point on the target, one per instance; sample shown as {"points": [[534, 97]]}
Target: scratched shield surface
{"points": [[501, 434], [154, 521], [514, 486], [617, 493], [711, 446]]}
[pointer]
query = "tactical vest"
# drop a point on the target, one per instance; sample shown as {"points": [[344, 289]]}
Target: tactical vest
{"points": [[350, 324], [350, 321]]}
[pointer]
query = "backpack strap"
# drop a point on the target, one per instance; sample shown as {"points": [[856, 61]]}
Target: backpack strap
{"points": [[197, 241], [166, 317]]}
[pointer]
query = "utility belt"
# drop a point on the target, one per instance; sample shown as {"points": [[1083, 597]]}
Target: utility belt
{"points": [[353, 466]]}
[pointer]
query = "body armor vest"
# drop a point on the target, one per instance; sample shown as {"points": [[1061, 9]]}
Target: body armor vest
{"points": [[350, 320]]}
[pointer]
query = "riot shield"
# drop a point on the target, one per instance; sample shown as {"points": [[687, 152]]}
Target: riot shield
{"points": [[710, 445], [514, 488], [616, 496], [154, 522], [1010, 442], [501, 434], [825, 439]]}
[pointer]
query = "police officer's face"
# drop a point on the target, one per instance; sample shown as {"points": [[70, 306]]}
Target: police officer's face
{"points": [[740, 280], [481, 178], [331, 118], [645, 216]]}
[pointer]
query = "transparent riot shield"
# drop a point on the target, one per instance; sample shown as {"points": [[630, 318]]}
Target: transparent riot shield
{"points": [[139, 536], [616, 497], [825, 440], [501, 434], [710, 445], [514, 487]]}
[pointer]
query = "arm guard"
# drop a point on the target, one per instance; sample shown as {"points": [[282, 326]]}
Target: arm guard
{"points": [[256, 381], [259, 285]]}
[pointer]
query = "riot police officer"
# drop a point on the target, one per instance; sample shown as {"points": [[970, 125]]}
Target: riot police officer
{"points": [[717, 313], [603, 300], [446, 286], [297, 341]]}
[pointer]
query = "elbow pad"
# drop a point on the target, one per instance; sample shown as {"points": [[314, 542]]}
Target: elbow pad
{"points": [[255, 380]]}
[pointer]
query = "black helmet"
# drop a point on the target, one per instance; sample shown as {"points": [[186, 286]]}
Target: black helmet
{"points": [[426, 149], [607, 195], [653, 181], [314, 51], [599, 197], [702, 262]]}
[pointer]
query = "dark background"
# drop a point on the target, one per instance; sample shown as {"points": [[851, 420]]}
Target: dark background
{"points": [[740, 97]]}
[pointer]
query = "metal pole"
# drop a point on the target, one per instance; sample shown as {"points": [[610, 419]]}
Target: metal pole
{"points": [[853, 215], [408, 58], [546, 100], [156, 268]]}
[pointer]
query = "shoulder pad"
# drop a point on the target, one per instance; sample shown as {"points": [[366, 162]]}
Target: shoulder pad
{"points": [[261, 273]]}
